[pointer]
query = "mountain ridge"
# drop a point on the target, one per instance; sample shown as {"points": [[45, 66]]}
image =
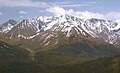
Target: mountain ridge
{"points": [[103, 29]]}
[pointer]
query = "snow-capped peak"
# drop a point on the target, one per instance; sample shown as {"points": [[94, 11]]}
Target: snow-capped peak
{"points": [[108, 30], [7, 26]]}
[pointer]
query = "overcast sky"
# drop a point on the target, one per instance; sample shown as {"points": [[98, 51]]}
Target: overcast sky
{"points": [[23, 9]]}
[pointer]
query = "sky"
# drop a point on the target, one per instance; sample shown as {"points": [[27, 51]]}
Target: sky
{"points": [[24, 9]]}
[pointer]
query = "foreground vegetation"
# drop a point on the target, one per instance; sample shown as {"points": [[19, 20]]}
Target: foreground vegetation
{"points": [[73, 58]]}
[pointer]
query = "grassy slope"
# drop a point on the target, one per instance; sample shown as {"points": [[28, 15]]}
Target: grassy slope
{"points": [[101, 65], [12, 57], [64, 59], [72, 53]]}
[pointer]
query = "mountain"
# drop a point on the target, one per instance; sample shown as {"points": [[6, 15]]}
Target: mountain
{"points": [[58, 43], [88, 37], [7, 26], [26, 28], [45, 28]]}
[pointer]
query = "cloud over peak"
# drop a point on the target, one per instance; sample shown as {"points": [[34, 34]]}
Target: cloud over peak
{"points": [[84, 14], [113, 15], [56, 10]]}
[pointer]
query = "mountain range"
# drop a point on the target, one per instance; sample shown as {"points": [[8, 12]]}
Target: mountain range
{"points": [[46, 28], [57, 41]]}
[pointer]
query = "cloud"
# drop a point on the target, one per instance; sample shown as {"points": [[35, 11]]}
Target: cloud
{"points": [[91, 2], [74, 5], [22, 12], [22, 3], [31, 3], [0, 13], [21, 16], [41, 11], [83, 15], [68, 4], [56, 10], [113, 15]]}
